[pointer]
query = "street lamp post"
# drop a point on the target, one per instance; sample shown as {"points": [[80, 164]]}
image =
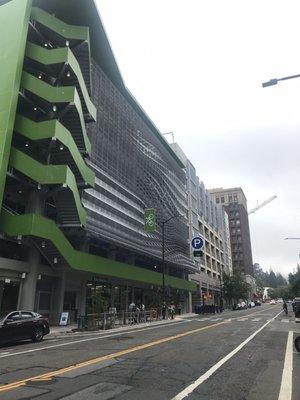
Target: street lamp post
{"points": [[274, 81]]}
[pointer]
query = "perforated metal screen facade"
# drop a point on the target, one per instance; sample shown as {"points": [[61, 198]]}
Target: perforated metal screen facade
{"points": [[134, 171]]}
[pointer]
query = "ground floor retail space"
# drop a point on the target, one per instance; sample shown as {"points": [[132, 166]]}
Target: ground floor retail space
{"points": [[207, 294], [51, 292]]}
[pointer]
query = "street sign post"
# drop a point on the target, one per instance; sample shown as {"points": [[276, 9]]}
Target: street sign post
{"points": [[150, 220]]}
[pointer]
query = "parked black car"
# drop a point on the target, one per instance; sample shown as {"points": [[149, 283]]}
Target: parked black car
{"points": [[21, 325]]}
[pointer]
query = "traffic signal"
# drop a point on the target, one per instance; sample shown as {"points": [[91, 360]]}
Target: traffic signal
{"points": [[198, 253]]}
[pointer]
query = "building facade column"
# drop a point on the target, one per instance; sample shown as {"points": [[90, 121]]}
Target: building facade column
{"points": [[82, 299], [58, 293], [28, 286], [27, 296], [189, 303]]}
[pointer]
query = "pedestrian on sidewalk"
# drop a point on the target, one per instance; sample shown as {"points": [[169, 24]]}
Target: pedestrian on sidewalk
{"points": [[172, 310], [164, 310]]}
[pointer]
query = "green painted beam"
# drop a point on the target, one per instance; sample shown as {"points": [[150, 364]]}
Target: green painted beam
{"points": [[48, 175], [14, 19], [59, 56], [53, 129], [59, 94], [38, 226], [56, 25]]}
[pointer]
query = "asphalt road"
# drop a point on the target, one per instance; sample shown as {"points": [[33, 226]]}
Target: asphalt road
{"points": [[242, 355]]}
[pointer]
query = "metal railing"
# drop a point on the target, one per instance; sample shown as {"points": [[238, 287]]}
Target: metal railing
{"points": [[110, 320]]}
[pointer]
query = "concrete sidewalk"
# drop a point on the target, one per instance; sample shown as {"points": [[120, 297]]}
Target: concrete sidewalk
{"points": [[62, 329], [72, 329]]}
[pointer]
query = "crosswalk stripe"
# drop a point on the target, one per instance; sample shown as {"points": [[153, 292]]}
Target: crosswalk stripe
{"points": [[285, 320], [242, 319], [256, 319], [216, 319]]}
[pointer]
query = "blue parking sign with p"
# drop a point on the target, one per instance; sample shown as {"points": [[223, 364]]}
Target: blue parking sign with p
{"points": [[197, 243]]}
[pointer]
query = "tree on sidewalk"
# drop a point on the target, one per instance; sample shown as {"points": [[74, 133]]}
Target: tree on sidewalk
{"points": [[235, 288], [294, 280]]}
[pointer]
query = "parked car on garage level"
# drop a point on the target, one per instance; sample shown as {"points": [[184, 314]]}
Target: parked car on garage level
{"points": [[22, 325]]}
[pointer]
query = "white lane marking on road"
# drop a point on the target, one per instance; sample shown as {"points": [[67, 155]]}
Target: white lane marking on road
{"points": [[188, 390], [216, 319], [256, 319], [242, 319], [91, 339], [4, 353], [203, 319], [287, 373], [285, 320]]}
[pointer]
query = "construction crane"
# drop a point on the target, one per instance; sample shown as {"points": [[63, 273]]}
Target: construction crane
{"points": [[262, 204]]}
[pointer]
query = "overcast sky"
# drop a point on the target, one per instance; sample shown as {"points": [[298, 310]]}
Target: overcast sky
{"points": [[196, 67]]}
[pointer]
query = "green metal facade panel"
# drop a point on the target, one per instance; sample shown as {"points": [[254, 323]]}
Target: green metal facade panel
{"points": [[48, 175], [14, 18], [54, 130], [59, 56], [56, 94], [35, 225]]}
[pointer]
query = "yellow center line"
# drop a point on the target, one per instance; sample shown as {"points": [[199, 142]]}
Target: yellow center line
{"points": [[49, 375]]}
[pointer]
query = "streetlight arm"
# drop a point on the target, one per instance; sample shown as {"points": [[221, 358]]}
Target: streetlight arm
{"points": [[173, 216], [274, 81], [289, 77]]}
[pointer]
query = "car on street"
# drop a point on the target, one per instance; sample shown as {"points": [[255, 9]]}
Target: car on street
{"points": [[22, 325], [272, 302], [296, 308], [240, 306]]}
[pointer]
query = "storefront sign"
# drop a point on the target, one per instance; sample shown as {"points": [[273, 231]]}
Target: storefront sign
{"points": [[64, 318]]}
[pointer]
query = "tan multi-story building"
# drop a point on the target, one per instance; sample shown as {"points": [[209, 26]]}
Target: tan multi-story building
{"points": [[209, 221], [234, 203]]}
